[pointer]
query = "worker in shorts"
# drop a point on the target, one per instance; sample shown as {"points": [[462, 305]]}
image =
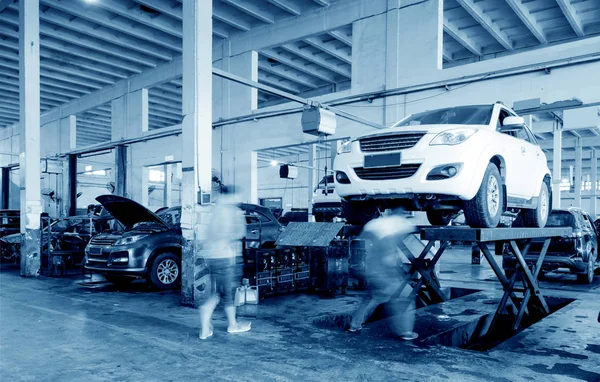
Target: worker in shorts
{"points": [[226, 229], [384, 277]]}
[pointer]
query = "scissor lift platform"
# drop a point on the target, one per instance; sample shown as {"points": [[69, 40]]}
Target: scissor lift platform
{"points": [[522, 288]]}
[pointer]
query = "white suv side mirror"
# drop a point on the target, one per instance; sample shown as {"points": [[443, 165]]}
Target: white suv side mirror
{"points": [[513, 121]]}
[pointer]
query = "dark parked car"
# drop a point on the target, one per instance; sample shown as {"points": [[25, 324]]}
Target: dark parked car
{"points": [[150, 246], [578, 252], [295, 215]]}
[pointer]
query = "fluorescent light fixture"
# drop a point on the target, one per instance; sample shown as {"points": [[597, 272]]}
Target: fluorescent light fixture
{"points": [[274, 163], [88, 168]]}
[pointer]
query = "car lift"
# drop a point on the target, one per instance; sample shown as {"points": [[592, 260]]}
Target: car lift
{"points": [[525, 298]]}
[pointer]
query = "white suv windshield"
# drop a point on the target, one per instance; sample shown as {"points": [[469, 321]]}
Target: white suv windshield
{"points": [[463, 115]]}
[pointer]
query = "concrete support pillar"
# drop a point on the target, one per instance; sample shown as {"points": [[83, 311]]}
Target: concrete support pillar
{"points": [[72, 185], [145, 200], [121, 170], [593, 180], [390, 48], [29, 167], [556, 166], [578, 172], [197, 140], [5, 188], [129, 115], [312, 175], [168, 193], [243, 99], [235, 99], [68, 133]]}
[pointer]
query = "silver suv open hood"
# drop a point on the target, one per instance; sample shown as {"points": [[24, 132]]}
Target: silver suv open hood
{"points": [[128, 212]]}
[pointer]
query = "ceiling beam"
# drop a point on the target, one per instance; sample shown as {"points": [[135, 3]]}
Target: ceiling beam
{"points": [[323, 3], [45, 72], [252, 9], [330, 49], [309, 24], [303, 67], [170, 112], [49, 82], [571, 15], [86, 53], [343, 37], [278, 83], [461, 37], [160, 23], [76, 24], [571, 142], [447, 55], [151, 77], [289, 74], [48, 88], [5, 3], [486, 22], [287, 6], [143, 32], [343, 70], [168, 8], [527, 18], [224, 16]]}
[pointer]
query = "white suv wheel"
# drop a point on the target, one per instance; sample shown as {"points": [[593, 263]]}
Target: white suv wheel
{"points": [[493, 196]]}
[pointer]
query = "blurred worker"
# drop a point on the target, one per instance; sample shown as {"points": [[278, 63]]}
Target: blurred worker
{"points": [[226, 229], [385, 276]]}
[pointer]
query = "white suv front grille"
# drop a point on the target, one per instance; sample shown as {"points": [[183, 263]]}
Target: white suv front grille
{"points": [[387, 173], [390, 142]]}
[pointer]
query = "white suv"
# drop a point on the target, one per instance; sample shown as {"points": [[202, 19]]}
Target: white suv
{"points": [[481, 159]]}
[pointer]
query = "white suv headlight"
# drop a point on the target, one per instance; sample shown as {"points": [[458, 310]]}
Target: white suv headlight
{"points": [[345, 148], [452, 137]]}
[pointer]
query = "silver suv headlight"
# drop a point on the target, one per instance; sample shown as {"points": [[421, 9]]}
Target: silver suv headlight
{"points": [[345, 148], [452, 137], [130, 239]]}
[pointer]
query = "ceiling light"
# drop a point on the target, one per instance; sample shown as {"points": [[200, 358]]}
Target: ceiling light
{"points": [[273, 163], [88, 168]]}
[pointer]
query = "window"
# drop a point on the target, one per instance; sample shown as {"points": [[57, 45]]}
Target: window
{"points": [[560, 219], [253, 217], [172, 216], [463, 115]]}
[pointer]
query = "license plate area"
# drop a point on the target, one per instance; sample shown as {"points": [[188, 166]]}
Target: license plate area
{"points": [[382, 160], [95, 251]]}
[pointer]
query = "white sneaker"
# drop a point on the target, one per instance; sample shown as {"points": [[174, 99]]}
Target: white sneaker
{"points": [[210, 334], [240, 327], [409, 336]]}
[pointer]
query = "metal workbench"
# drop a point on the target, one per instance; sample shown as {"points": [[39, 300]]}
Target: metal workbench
{"points": [[522, 288]]}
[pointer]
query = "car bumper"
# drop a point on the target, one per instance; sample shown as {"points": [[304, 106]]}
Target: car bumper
{"points": [[327, 207], [120, 271], [576, 264], [464, 185], [117, 259]]}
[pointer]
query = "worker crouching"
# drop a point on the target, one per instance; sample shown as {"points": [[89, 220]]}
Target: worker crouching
{"points": [[385, 276]]}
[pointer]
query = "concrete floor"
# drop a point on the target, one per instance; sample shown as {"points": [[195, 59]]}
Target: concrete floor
{"points": [[58, 329]]}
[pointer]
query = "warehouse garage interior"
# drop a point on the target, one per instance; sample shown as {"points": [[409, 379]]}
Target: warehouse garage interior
{"points": [[462, 134]]}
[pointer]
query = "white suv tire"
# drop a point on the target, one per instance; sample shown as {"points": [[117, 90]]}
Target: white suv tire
{"points": [[486, 208], [537, 218]]}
